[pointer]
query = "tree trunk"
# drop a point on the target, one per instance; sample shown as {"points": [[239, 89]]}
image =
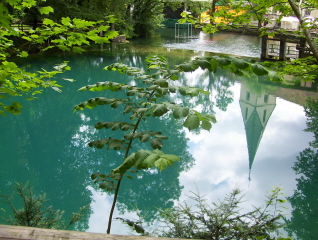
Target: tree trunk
{"points": [[306, 32], [213, 6]]}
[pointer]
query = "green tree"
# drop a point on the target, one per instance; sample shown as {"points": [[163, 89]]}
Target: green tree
{"points": [[34, 213], [287, 7], [311, 110], [68, 35], [303, 221], [146, 15], [305, 68], [223, 220]]}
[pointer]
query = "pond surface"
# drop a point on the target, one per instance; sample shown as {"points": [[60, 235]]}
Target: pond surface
{"points": [[259, 136], [219, 42]]}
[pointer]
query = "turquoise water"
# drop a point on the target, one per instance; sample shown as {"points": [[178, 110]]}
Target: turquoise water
{"points": [[255, 143]]}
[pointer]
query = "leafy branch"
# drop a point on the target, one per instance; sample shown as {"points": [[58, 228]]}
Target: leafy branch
{"points": [[146, 100]]}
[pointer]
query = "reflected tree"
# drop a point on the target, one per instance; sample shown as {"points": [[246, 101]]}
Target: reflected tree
{"points": [[311, 111], [304, 221]]}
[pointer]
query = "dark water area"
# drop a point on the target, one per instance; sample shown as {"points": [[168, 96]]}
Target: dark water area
{"points": [[258, 139]]}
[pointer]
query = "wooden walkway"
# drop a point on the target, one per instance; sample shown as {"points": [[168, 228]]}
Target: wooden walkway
{"points": [[8, 232]]}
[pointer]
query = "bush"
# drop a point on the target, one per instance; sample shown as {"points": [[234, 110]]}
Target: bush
{"points": [[34, 213], [223, 220]]}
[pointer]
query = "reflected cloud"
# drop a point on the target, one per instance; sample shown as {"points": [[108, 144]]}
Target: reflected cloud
{"points": [[222, 158]]}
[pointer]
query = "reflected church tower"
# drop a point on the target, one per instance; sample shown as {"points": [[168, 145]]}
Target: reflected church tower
{"points": [[256, 110]]}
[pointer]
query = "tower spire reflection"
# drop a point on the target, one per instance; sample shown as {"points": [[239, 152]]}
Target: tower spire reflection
{"points": [[256, 110]]}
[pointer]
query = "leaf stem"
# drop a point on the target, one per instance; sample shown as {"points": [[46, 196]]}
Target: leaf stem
{"points": [[121, 175]]}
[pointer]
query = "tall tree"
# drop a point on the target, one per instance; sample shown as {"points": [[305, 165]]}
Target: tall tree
{"points": [[303, 221]]}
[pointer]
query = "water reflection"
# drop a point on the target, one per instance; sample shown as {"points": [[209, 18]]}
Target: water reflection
{"points": [[47, 143], [220, 42], [256, 111], [303, 221]]}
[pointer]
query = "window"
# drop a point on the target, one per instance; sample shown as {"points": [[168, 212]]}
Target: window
{"points": [[248, 95], [264, 115]]}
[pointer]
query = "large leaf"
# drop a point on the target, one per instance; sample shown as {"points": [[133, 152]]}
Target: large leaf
{"points": [[179, 111], [275, 77], [150, 160], [240, 63], [162, 163], [145, 159], [159, 110], [140, 156], [222, 61], [259, 70], [203, 63], [192, 122], [128, 163], [206, 125]]}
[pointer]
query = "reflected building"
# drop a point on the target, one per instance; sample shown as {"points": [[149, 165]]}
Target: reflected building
{"points": [[256, 110]]}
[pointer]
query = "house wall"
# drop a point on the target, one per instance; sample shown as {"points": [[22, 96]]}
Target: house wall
{"points": [[314, 13]]}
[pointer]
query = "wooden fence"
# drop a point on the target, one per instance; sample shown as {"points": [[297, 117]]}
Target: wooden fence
{"points": [[28, 233]]}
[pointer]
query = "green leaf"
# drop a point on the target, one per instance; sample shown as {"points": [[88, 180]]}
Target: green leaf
{"points": [[209, 117], [180, 112], [156, 143], [187, 67], [174, 77], [160, 109], [128, 163], [192, 122], [206, 125], [149, 162], [66, 21], [128, 108], [274, 76], [172, 89], [161, 82], [46, 10], [24, 54], [142, 110], [223, 61], [140, 156], [171, 157], [145, 137], [239, 63], [258, 69], [162, 163], [129, 136], [203, 63]]}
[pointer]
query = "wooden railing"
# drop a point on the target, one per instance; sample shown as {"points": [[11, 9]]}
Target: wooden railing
{"points": [[18, 232]]}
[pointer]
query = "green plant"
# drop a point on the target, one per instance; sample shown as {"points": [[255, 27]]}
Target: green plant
{"points": [[66, 35], [223, 220], [34, 213], [148, 100]]}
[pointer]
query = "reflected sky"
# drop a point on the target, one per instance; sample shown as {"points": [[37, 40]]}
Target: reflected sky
{"points": [[47, 145], [222, 160]]}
